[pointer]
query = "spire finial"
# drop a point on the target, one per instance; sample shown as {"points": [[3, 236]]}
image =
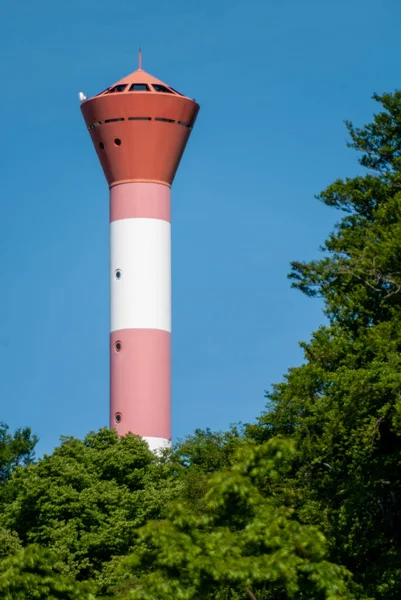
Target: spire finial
{"points": [[140, 59]]}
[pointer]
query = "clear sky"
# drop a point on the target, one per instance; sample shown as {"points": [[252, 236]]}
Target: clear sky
{"points": [[275, 80]]}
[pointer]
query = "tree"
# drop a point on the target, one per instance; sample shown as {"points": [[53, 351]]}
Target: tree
{"points": [[241, 544], [15, 450], [207, 451], [202, 453], [342, 407], [85, 501]]}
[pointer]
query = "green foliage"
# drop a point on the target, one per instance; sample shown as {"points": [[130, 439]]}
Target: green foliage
{"points": [[202, 453], [207, 451], [86, 499], [343, 405], [9, 542], [15, 450], [360, 276], [241, 542], [35, 573]]}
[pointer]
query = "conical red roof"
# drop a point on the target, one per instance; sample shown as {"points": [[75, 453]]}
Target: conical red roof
{"points": [[141, 76]]}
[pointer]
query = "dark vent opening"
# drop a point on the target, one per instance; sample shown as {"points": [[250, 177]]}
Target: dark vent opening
{"points": [[117, 88], [161, 88], [139, 87], [139, 118], [164, 120], [184, 124], [114, 120]]}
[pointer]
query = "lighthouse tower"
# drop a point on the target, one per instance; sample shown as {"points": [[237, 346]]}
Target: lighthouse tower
{"points": [[139, 127]]}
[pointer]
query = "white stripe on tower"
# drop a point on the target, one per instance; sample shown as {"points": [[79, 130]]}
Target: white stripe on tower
{"points": [[140, 254], [140, 311]]}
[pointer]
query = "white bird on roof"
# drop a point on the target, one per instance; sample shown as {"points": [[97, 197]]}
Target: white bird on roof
{"points": [[81, 96]]}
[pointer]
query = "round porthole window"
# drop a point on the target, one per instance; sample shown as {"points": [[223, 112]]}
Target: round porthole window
{"points": [[117, 142], [118, 346], [118, 274], [118, 417], [101, 145]]}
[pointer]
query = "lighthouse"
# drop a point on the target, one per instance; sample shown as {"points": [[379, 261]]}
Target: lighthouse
{"points": [[139, 128]]}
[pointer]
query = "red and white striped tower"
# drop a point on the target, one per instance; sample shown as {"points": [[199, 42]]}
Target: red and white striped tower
{"points": [[139, 127]]}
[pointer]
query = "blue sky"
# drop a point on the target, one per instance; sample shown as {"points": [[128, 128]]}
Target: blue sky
{"points": [[275, 81]]}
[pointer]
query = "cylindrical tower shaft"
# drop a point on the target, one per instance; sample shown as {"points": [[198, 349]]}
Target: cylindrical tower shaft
{"points": [[140, 286]]}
